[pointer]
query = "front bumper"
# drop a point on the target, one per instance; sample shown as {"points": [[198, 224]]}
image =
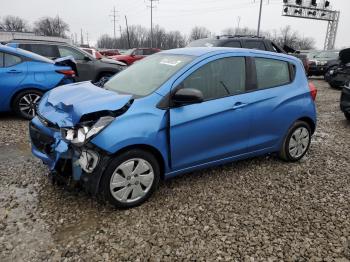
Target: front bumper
{"points": [[65, 161], [345, 100]]}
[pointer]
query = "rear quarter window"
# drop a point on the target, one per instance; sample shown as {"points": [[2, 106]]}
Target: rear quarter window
{"points": [[50, 51], [252, 44], [236, 44], [1, 59], [272, 72], [11, 60]]}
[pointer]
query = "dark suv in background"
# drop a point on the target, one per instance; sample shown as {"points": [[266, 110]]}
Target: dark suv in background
{"points": [[249, 42], [89, 68], [238, 41]]}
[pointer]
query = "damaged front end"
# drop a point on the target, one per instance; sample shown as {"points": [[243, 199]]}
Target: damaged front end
{"points": [[61, 134]]}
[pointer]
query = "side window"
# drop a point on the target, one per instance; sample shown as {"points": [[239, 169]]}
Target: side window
{"points": [[138, 52], [148, 51], [271, 72], [11, 60], [252, 44], [236, 44], [49, 51], [68, 51], [1, 59], [219, 78]]}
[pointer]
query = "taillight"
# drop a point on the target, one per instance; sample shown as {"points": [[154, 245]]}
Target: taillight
{"points": [[313, 90], [70, 73]]}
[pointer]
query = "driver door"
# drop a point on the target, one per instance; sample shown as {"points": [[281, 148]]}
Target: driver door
{"points": [[219, 127]]}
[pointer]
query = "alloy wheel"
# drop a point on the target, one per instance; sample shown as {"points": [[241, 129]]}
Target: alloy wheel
{"points": [[28, 104]]}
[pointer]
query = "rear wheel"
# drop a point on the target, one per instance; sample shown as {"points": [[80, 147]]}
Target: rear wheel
{"points": [[130, 179], [25, 103], [296, 143]]}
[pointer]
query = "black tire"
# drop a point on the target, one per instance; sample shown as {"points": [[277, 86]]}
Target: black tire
{"points": [[347, 116], [21, 98], [104, 77], [105, 187], [285, 153]]}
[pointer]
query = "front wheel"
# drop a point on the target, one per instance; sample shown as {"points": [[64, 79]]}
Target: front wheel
{"points": [[296, 143], [130, 179], [25, 103]]}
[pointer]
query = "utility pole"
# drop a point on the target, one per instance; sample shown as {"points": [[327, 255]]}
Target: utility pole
{"points": [[127, 31], [114, 20], [81, 37], [258, 31], [152, 6], [87, 38]]}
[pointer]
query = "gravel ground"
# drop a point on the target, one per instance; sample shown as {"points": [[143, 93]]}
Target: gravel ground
{"points": [[254, 210]]}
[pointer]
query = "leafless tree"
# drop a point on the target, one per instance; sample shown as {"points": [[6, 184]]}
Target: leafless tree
{"points": [[199, 32], [14, 24], [140, 37], [51, 26]]}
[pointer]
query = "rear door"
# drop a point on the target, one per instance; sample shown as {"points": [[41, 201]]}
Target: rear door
{"points": [[219, 127], [12, 72], [274, 102]]}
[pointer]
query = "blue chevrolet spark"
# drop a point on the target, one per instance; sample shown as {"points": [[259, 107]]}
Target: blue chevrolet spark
{"points": [[172, 113]]}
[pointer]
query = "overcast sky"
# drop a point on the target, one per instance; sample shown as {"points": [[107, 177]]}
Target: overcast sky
{"points": [[93, 16]]}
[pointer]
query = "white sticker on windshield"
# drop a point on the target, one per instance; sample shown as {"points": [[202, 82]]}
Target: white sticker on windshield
{"points": [[167, 61], [209, 45]]}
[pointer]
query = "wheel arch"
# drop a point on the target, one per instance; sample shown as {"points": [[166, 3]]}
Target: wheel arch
{"points": [[14, 95], [151, 149], [310, 122]]}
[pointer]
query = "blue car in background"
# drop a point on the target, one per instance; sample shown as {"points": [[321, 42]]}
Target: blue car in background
{"points": [[172, 113], [25, 77]]}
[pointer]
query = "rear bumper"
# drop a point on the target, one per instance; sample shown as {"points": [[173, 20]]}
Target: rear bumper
{"points": [[345, 100]]}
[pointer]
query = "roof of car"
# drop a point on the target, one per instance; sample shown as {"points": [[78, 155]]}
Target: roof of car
{"points": [[202, 51], [14, 50]]}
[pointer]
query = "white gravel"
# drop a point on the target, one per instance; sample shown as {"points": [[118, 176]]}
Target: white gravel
{"points": [[254, 210]]}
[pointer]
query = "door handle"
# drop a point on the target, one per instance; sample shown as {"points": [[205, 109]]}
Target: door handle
{"points": [[13, 71], [238, 105]]}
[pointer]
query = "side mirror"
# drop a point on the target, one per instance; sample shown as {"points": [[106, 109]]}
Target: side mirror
{"points": [[186, 96]]}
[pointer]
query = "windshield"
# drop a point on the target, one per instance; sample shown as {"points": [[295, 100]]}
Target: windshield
{"points": [[129, 52], [332, 55], [206, 42], [146, 76]]}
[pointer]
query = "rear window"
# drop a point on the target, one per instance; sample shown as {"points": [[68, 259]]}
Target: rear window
{"points": [[251, 44], [236, 44], [271, 72], [50, 51]]}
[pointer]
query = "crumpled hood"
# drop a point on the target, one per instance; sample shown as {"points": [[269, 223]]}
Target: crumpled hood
{"points": [[65, 105]]}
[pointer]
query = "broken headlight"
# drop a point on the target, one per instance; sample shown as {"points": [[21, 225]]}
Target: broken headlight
{"points": [[80, 135]]}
